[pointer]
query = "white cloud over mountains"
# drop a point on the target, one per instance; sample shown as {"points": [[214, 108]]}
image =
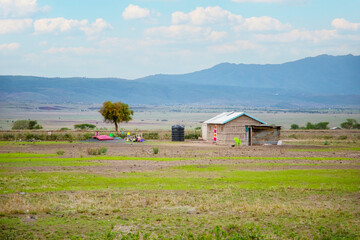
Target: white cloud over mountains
{"points": [[297, 35], [135, 12], [236, 46], [19, 8], [218, 16]]}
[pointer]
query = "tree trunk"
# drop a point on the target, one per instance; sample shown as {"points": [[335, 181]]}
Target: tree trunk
{"points": [[116, 126]]}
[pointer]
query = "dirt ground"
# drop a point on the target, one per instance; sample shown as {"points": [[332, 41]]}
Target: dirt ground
{"points": [[198, 153]]}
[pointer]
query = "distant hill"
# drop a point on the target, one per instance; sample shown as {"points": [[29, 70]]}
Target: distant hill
{"points": [[310, 82], [323, 74]]}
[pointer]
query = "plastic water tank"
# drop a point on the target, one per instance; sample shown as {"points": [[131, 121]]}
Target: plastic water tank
{"points": [[178, 133]]}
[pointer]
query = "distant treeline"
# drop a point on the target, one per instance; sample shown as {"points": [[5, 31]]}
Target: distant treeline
{"points": [[348, 124]]}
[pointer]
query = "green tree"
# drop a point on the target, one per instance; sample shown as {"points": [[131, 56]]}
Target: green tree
{"points": [[294, 126], [84, 126], [26, 124], [321, 125], [350, 124], [309, 125], [116, 113]]}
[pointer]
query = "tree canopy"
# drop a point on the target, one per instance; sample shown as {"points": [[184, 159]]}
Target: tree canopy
{"points": [[116, 113], [350, 124], [84, 126], [26, 124], [309, 125]]}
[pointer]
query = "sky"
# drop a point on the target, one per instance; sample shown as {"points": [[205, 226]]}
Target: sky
{"points": [[135, 38]]}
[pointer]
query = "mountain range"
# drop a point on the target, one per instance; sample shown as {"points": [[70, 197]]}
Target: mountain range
{"points": [[322, 81]]}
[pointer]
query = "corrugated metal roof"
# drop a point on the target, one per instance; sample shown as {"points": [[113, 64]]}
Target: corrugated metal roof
{"points": [[225, 117]]}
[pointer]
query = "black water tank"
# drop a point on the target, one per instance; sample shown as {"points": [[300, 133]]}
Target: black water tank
{"points": [[178, 133]]}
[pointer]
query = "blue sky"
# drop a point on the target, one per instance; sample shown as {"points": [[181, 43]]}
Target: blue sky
{"points": [[131, 39]]}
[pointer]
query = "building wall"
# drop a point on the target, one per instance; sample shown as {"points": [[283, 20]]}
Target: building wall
{"points": [[228, 131], [204, 131]]}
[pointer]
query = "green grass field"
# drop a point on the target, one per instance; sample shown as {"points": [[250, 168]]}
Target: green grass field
{"points": [[193, 201]]}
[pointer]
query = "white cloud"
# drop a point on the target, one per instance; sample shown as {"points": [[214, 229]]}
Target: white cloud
{"points": [[239, 45], [73, 50], [272, 1], [208, 15], [296, 35], [10, 46], [19, 8], [48, 25], [259, 1], [54, 25], [265, 23], [98, 26], [14, 25], [217, 36], [217, 15], [342, 24], [178, 31], [135, 12]]}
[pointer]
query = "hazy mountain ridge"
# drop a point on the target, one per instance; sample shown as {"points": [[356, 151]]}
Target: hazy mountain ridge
{"points": [[321, 74], [310, 82]]}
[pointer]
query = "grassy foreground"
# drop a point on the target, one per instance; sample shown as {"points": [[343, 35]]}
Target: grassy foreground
{"points": [[182, 202]]}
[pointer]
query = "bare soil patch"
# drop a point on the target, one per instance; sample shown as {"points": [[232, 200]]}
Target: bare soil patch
{"points": [[199, 153]]}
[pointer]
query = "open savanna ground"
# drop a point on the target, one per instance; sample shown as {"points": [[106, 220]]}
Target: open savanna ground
{"points": [[147, 117], [189, 190]]}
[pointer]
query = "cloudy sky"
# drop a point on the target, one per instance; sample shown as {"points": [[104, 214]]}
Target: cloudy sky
{"points": [[131, 39]]}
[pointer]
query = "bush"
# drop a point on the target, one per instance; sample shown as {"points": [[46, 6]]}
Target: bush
{"points": [[121, 135], [156, 150], [294, 126], [64, 129], [53, 137], [97, 151], [312, 126], [60, 152], [342, 137], [103, 150], [29, 136], [293, 136], [326, 143], [20, 124], [84, 126], [68, 137], [327, 137], [192, 135], [8, 137], [87, 136], [26, 124], [151, 135]]}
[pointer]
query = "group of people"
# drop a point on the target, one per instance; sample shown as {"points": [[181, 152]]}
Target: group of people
{"points": [[128, 138], [136, 139]]}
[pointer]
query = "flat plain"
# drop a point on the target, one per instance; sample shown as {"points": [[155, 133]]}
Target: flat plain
{"points": [[54, 117], [189, 190]]}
